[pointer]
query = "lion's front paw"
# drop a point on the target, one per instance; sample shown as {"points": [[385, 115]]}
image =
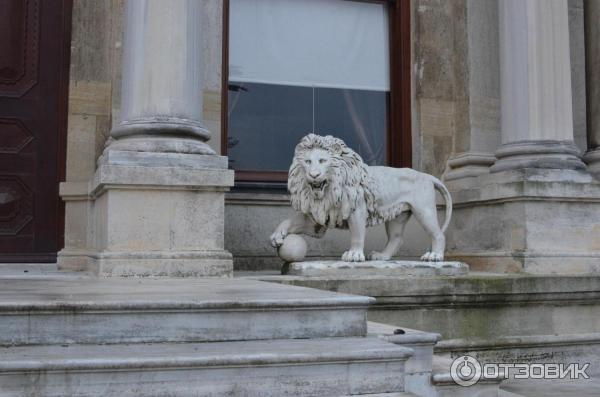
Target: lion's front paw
{"points": [[379, 256], [432, 257], [353, 256], [277, 238]]}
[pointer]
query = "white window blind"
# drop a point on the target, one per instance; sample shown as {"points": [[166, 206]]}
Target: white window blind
{"points": [[319, 43]]}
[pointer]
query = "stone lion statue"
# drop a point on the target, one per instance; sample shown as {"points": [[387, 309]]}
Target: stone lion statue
{"points": [[331, 187]]}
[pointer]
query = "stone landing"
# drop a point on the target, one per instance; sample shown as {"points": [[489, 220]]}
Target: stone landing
{"points": [[90, 311], [475, 306], [496, 318], [374, 268]]}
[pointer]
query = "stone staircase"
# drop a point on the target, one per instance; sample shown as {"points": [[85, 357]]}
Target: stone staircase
{"points": [[183, 337], [69, 335]]}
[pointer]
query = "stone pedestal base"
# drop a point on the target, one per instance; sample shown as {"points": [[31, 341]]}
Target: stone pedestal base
{"points": [[156, 214], [374, 268], [530, 220]]}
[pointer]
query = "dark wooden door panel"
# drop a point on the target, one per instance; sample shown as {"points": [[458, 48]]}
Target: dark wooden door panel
{"points": [[19, 46], [34, 59]]}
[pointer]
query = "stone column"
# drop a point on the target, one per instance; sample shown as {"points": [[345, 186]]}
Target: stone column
{"points": [[477, 138], [162, 79], [159, 188], [537, 118], [538, 209], [592, 60]]}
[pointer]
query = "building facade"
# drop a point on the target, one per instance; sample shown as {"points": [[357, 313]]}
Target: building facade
{"points": [[152, 138], [453, 83]]}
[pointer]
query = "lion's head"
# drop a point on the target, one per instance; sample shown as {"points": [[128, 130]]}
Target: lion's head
{"points": [[327, 180]]}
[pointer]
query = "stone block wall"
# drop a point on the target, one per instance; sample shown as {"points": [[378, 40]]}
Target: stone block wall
{"points": [[440, 69]]}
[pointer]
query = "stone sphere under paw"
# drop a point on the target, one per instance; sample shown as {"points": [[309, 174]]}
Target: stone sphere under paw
{"points": [[293, 248]]}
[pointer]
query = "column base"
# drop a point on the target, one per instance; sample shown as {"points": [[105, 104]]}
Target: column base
{"points": [[592, 159], [157, 144], [156, 214], [538, 154], [469, 164], [161, 125], [531, 220]]}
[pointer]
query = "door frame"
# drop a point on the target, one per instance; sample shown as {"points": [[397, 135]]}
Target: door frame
{"points": [[63, 111]]}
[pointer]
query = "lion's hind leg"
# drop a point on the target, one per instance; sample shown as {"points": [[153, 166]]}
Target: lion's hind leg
{"points": [[395, 231], [427, 217]]}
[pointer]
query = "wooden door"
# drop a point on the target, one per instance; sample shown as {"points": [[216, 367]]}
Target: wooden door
{"points": [[34, 62]]}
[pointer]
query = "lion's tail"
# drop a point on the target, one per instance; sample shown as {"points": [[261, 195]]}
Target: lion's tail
{"points": [[447, 198]]}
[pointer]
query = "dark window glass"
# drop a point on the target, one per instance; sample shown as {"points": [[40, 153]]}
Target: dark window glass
{"points": [[359, 117], [266, 121]]}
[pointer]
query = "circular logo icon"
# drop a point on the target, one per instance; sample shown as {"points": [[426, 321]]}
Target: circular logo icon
{"points": [[465, 371]]}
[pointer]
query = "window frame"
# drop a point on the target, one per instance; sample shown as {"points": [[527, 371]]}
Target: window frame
{"points": [[399, 134]]}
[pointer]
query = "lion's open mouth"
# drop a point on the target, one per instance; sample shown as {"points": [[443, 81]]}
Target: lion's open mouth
{"points": [[318, 185]]}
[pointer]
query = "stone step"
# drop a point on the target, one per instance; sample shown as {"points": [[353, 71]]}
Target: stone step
{"points": [[444, 385], [296, 367], [418, 369], [554, 387], [421, 342], [562, 348], [426, 374], [401, 394], [104, 311], [504, 393]]}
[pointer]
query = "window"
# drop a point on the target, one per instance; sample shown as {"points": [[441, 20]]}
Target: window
{"points": [[323, 66]]}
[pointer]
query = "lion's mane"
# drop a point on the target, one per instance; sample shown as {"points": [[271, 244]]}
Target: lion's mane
{"points": [[349, 183]]}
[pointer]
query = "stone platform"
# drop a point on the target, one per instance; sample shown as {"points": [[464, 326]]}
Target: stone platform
{"points": [[494, 317], [53, 311], [477, 305], [374, 268]]}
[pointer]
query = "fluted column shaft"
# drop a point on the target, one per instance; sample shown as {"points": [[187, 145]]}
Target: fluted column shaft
{"points": [[162, 79], [536, 97]]}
